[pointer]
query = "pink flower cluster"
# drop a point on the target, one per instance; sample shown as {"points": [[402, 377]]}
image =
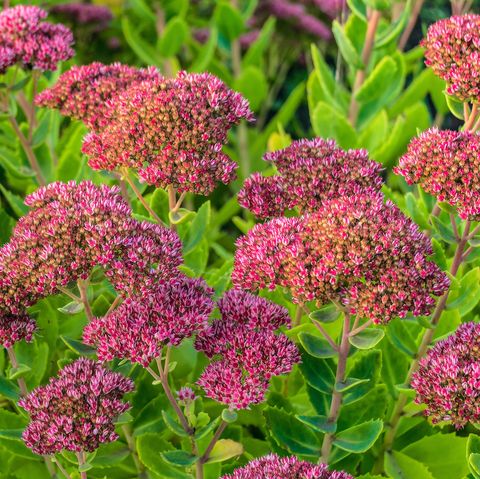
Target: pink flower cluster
{"points": [[15, 327], [172, 131], [83, 92], [31, 42], [276, 467], [141, 326], [446, 164], [70, 229], [309, 173], [356, 250], [448, 378], [84, 14], [452, 50], [76, 410], [246, 349]]}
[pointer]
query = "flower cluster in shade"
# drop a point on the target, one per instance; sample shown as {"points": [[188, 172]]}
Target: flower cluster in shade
{"points": [[70, 229], [309, 173], [27, 40], [84, 92], [97, 16], [245, 349], [452, 50], [448, 378], [446, 164], [15, 327], [356, 250], [141, 326], [171, 131], [76, 410], [290, 467]]}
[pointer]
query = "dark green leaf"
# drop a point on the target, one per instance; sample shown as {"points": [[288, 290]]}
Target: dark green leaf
{"points": [[349, 383], [317, 373], [319, 423], [78, 347], [359, 438], [179, 458], [316, 346], [327, 314], [173, 425]]}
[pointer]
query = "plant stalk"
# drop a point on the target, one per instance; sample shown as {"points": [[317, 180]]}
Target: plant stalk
{"points": [[82, 288]]}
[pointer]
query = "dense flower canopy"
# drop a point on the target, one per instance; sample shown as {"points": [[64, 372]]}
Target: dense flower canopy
{"points": [[35, 44], [139, 328], [76, 410], [446, 164], [15, 327], [448, 378], [309, 173], [357, 250], [452, 50], [171, 131], [246, 350], [83, 92], [276, 467], [70, 229]]}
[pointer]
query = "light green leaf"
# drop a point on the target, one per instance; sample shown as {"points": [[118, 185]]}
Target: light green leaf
{"points": [[228, 20], [346, 47], [173, 37], [223, 450], [359, 438], [252, 84], [368, 338], [401, 466], [381, 75]]}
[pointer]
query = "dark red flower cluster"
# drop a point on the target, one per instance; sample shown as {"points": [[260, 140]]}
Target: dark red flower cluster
{"points": [[356, 250], [276, 467], [309, 173], [171, 131], [31, 42], [141, 326], [98, 16], [72, 228], [84, 92], [76, 410], [446, 164], [452, 51], [15, 327], [246, 349], [448, 378]]}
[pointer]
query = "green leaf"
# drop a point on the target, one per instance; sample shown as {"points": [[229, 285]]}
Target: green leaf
{"points": [[367, 339], [327, 314], [468, 295], [396, 28], [401, 466], [15, 202], [43, 129], [173, 425], [328, 122], [229, 415], [19, 372], [11, 161], [223, 450], [316, 346], [359, 8], [473, 455], [199, 226], [205, 53], [9, 389], [474, 465], [173, 37], [346, 47], [317, 373], [70, 159], [179, 458], [359, 438], [366, 366], [228, 20], [290, 433], [85, 467], [319, 423], [78, 347], [381, 75], [399, 335], [73, 307], [443, 231], [159, 204], [124, 418], [203, 431], [180, 216], [252, 84], [349, 383], [110, 454], [254, 54], [11, 434], [455, 106], [439, 254], [145, 52]]}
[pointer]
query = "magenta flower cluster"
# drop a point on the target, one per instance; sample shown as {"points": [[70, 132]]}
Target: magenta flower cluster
{"points": [[448, 378], [84, 92], [141, 326], [446, 164], [76, 410], [171, 131], [98, 16], [70, 229], [309, 173], [290, 467], [357, 250], [452, 51], [246, 350], [15, 327], [31, 42]]}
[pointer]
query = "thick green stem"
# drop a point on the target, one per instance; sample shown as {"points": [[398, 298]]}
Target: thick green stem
{"points": [[81, 462]]}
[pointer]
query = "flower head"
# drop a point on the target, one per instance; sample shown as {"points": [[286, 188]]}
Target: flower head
{"points": [[309, 173], [448, 378], [141, 326], [76, 410], [357, 250], [36, 44], [84, 92], [446, 164], [452, 50], [276, 467], [186, 396], [15, 327], [172, 131], [70, 229], [246, 349]]}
